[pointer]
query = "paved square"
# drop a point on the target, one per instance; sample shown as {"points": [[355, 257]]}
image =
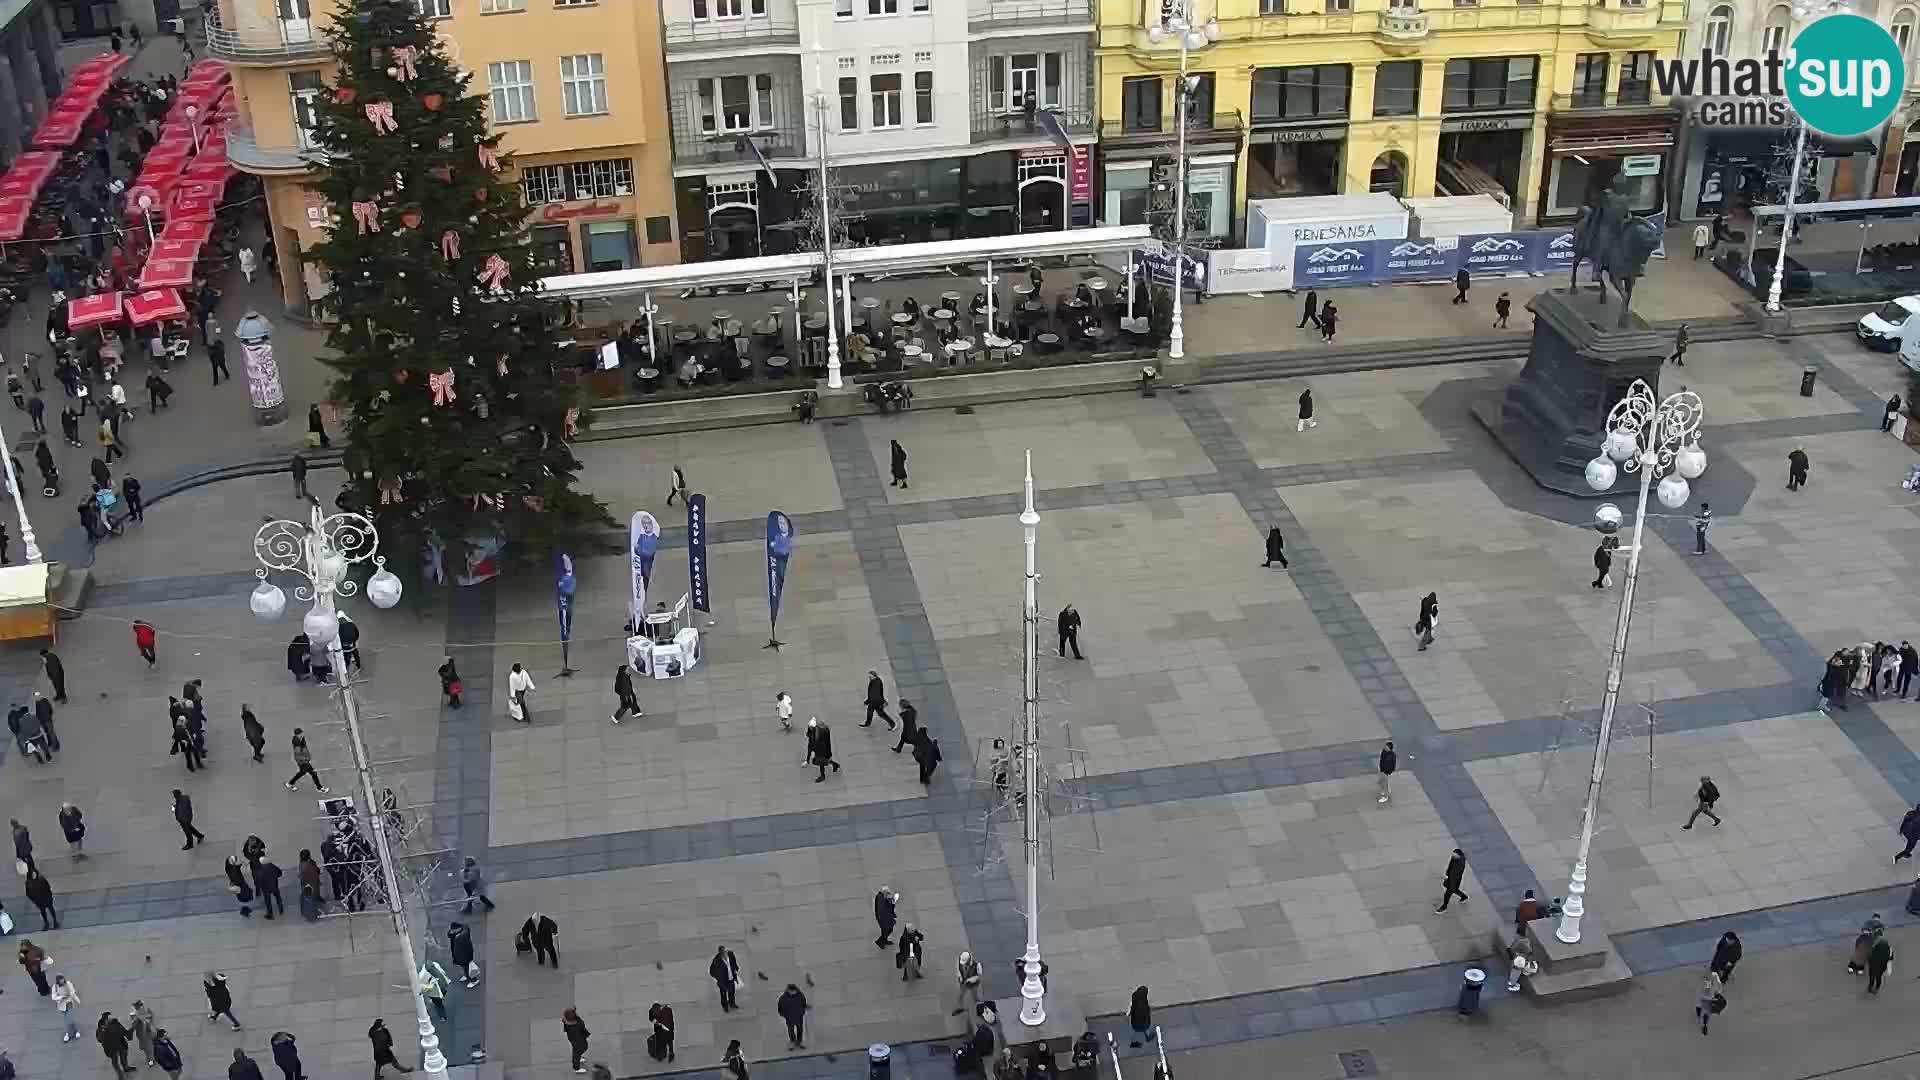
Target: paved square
{"points": [[1367, 414]]}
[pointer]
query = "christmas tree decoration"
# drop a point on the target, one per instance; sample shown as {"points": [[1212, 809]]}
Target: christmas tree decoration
{"points": [[450, 231]]}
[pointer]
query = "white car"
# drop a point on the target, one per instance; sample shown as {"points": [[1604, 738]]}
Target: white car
{"points": [[1880, 329]]}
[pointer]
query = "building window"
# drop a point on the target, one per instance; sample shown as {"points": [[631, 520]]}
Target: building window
{"points": [[306, 87], [923, 97], [1396, 88], [660, 230], [1015, 77], [883, 7], [1300, 93], [609, 245], [434, 9], [1589, 80], [511, 82], [1273, 7], [732, 103], [492, 7], [1140, 100], [843, 9], [1720, 29], [543, 184], [1502, 82], [1903, 31], [921, 7], [583, 84], [607, 179], [1773, 35], [849, 104], [574, 3], [728, 9], [886, 100], [1339, 7], [1636, 79], [1199, 100]]}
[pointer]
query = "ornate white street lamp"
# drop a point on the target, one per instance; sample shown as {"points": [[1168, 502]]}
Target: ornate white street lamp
{"points": [[1033, 1007], [1191, 38], [1660, 439], [1802, 11], [322, 550]]}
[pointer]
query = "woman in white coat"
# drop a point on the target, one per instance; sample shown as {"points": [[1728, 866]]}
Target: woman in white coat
{"points": [[519, 683]]}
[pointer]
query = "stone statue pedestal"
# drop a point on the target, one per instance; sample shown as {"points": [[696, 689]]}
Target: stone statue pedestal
{"points": [[1580, 363]]}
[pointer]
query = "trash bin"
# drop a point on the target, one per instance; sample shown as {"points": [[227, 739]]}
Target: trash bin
{"points": [[879, 1061], [1470, 986], [1807, 375]]}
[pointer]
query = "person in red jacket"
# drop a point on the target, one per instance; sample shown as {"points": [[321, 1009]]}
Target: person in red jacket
{"points": [[143, 639]]}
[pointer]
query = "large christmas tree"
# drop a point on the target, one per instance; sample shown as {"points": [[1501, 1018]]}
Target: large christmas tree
{"points": [[460, 421]]}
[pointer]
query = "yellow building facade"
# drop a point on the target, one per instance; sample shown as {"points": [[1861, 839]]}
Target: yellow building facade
{"points": [[575, 86], [1540, 104]]}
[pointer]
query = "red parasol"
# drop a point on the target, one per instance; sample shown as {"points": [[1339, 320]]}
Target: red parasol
{"points": [[197, 189], [14, 212], [193, 209], [62, 126], [165, 248], [166, 273], [29, 174], [166, 162], [157, 305], [195, 232], [96, 310], [212, 170]]}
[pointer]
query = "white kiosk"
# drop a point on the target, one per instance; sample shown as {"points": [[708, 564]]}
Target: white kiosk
{"points": [[667, 647]]}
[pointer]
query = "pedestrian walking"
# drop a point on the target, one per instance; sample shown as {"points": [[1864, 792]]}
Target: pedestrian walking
{"points": [[1879, 962], [1886, 419], [474, 883], [37, 412], [911, 953], [317, 435], [1276, 548], [1527, 910], [433, 988], [1140, 1017], [140, 1024], [1726, 956], [1502, 309], [1797, 466], [576, 1032], [898, 464], [144, 640], [877, 701], [286, 1054], [159, 390], [1311, 313], [1711, 1000], [792, 1008], [1603, 565], [350, 644], [66, 998], [1833, 682], [184, 743], [1389, 761], [298, 466], [623, 693], [460, 948], [733, 1065], [783, 710], [519, 685], [382, 1041], [1462, 281], [114, 1039], [926, 754], [725, 969], [256, 734], [131, 491], [33, 960], [217, 356], [266, 882], [1703, 799], [248, 261], [1870, 932], [1329, 321], [1702, 237], [450, 685], [166, 1055], [73, 826], [967, 977], [1068, 625], [1910, 831], [23, 846], [1306, 411], [303, 763], [544, 935], [886, 911], [677, 486], [43, 712], [40, 891], [660, 1043], [1428, 619], [1450, 882], [310, 894], [56, 674], [820, 748], [183, 814], [1680, 339]]}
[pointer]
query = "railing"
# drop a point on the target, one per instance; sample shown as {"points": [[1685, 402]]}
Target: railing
{"points": [[684, 35], [997, 14], [1227, 122], [1629, 96], [993, 126], [246, 153], [723, 148], [283, 41], [1403, 23]]}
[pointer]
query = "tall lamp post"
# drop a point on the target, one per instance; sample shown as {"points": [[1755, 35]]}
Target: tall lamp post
{"points": [[146, 215], [1033, 1007], [1802, 10], [19, 505], [322, 549], [1659, 439], [826, 219], [1191, 38]]}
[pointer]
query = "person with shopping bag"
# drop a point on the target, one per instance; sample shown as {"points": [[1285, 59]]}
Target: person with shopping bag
{"points": [[519, 684]]}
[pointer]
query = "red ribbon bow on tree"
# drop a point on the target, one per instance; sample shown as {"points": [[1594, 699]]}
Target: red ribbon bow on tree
{"points": [[389, 492], [534, 503], [489, 159], [380, 115], [493, 274], [493, 501], [501, 363], [571, 426], [403, 58], [366, 215], [441, 382], [450, 245]]}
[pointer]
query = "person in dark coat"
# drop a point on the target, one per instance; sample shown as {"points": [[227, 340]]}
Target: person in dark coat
{"points": [[876, 701], [1886, 419], [286, 1054], [1329, 321], [318, 429], [1429, 617], [1879, 959], [219, 997], [623, 691], [1306, 411], [792, 1008], [1797, 465], [298, 466], [102, 475], [43, 712], [661, 1016], [378, 1035], [544, 933], [909, 725], [1462, 281], [183, 813], [238, 886], [1834, 681], [820, 748], [136, 500], [1602, 565], [725, 969], [243, 1067], [1311, 312], [1910, 831], [56, 674], [256, 733], [40, 891], [926, 754], [217, 360], [450, 685], [899, 465], [350, 643], [1276, 548], [298, 661], [266, 882], [1450, 884], [1680, 339], [114, 1040], [886, 912], [460, 948], [1068, 626], [73, 826], [1502, 311], [1726, 955], [1140, 1016], [166, 1055], [23, 845], [576, 1031]]}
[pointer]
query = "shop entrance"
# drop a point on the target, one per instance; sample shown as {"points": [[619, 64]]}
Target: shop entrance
{"points": [[1389, 174], [733, 232], [1282, 169], [1480, 163], [1043, 205]]}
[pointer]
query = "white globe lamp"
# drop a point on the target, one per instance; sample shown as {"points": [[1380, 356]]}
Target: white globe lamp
{"points": [[1622, 446], [1691, 461], [383, 588], [1601, 473], [268, 600], [1608, 517], [1212, 31], [1672, 491], [322, 627]]}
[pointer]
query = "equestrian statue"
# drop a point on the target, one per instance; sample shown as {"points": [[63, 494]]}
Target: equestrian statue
{"points": [[1616, 243]]}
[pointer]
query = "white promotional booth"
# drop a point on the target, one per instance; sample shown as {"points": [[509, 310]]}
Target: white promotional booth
{"points": [[667, 647], [1276, 227]]}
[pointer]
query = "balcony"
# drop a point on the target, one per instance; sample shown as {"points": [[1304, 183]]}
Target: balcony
{"points": [[1621, 23], [690, 37], [1401, 30], [281, 42], [248, 156], [1013, 127], [1630, 98], [723, 148], [1220, 125], [988, 16]]}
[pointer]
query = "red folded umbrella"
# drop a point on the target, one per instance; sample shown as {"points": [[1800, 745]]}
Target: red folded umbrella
{"points": [[167, 162], [193, 209], [97, 310], [30, 173], [166, 274], [157, 305], [197, 189], [212, 170], [196, 232], [174, 248], [14, 212]]}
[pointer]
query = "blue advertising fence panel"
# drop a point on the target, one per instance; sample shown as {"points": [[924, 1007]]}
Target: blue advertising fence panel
{"points": [[1413, 260], [1367, 262], [1344, 263], [1553, 253], [1496, 253]]}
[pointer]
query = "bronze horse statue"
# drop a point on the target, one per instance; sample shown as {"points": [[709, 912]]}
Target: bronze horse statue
{"points": [[1588, 246], [1626, 259]]}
